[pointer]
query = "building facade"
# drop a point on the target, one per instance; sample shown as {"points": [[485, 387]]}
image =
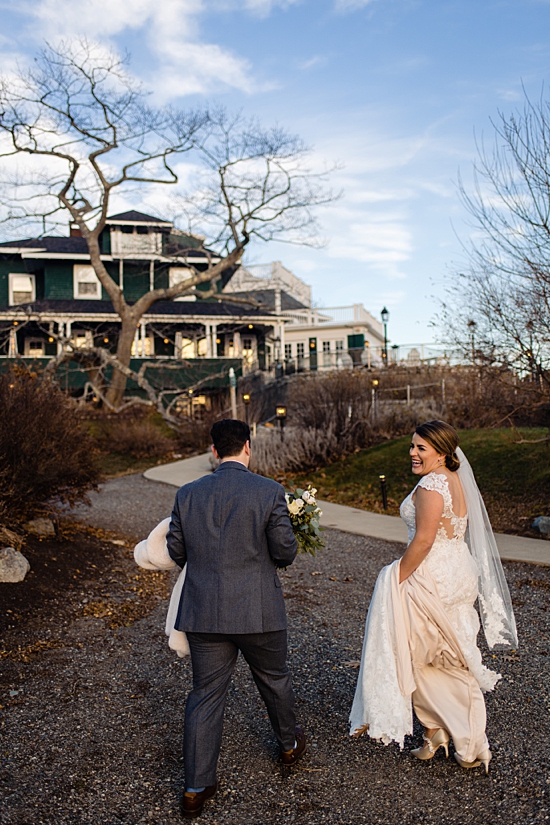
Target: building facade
{"points": [[50, 298], [311, 338]]}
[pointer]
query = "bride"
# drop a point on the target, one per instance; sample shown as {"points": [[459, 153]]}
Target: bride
{"points": [[420, 637]]}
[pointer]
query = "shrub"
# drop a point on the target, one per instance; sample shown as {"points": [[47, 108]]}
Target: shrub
{"points": [[140, 438], [46, 456]]}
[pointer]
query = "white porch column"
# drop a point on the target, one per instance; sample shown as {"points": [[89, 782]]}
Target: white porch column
{"points": [[178, 346], [151, 275], [121, 274], [143, 337], [208, 333], [12, 345], [237, 345], [214, 333], [136, 342]]}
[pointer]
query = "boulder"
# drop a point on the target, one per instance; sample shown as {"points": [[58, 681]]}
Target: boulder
{"points": [[41, 527], [542, 524], [13, 565], [10, 539]]}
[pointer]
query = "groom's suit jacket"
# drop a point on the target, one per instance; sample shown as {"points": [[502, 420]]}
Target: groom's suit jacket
{"points": [[232, 529]]}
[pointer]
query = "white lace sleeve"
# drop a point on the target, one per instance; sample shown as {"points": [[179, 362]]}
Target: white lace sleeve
{"points": [[437, 482]]}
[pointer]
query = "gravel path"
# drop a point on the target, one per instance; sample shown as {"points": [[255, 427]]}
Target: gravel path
{"points": [[93, 733]]}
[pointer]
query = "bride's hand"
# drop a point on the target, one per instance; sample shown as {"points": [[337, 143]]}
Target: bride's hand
{"points": [[429, 509]]}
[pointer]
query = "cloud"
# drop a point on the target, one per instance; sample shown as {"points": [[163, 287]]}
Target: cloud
{"points": [[317, 60], [185, 64], [351, 5]]}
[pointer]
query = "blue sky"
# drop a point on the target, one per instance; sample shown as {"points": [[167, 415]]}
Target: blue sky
{"points": [[394, 90]]}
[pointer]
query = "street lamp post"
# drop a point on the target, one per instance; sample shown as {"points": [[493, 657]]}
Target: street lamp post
{"points": [[246, 401], [385, 315]]}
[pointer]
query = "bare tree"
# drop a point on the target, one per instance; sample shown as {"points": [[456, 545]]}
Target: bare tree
{"points": [[88, 132], [499, 306]]}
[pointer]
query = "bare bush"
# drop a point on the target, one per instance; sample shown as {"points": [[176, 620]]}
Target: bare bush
{"points": [[134, 437], [46, 455], [330, 416]]}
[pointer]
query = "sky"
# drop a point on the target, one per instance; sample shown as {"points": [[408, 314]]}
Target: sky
{"points": [[396, 92]]}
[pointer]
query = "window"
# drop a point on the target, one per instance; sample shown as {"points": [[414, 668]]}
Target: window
{"points": [[34, 347], [22, 289], [288, 352], [326, 346], [299, 350], [177, 274], [339, 346], [86, 283], [82, 339]]}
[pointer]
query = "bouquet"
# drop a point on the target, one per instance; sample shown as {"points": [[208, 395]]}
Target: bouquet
{"points": [[304, 517]]}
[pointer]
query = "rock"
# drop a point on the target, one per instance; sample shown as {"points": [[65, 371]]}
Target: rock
{"points": [[41, 527], [542, 524], [10, 539], [13, 565]]}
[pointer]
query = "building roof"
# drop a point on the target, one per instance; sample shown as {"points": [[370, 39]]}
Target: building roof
{"points": [[266, 297], [51, 243], [182, 308], [133, 216]]}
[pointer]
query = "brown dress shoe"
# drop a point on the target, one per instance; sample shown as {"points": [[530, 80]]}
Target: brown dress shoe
{"points": [[291, 757], [193, 803]]}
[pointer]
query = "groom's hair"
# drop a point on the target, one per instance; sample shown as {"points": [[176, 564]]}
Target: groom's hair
{"points": [[229, 436]]}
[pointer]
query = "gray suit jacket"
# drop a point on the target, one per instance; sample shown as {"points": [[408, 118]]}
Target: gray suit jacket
{"points": [[233, 530]]}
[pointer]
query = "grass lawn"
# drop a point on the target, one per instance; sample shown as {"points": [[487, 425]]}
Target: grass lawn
{"points": [[514, 478]]}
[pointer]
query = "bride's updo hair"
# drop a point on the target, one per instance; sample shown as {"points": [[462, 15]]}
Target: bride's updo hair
{"points": [[443, 438]]}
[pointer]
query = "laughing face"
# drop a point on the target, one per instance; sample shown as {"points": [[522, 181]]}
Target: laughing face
{"points": [[424, 457]]}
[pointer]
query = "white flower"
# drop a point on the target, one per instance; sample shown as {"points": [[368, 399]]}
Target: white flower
{"points": [[287, 498], [308, 498], [319, 512], [313, 491], [295, 506]]}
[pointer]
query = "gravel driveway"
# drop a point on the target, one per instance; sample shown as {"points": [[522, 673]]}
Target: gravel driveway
{"points": [[91, 730]]}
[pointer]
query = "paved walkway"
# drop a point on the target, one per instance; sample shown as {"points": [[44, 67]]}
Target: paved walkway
{"points": [[350, 520]]}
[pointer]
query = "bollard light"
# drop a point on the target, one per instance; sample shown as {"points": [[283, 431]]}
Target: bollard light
{"points": [[280, 413], [383, 488]]}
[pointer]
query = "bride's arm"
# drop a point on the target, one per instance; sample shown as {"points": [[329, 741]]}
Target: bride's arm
{"points": [[429, 509]]}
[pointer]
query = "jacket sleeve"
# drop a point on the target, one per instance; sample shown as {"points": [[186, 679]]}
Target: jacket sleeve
{"points": [[174, 540], [280, 536]]}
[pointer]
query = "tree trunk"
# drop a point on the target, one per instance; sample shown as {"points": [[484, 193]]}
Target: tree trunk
{"points": [[117, 386]]}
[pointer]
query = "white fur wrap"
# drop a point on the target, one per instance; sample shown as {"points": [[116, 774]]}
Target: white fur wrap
{"points": [[152, 554]]}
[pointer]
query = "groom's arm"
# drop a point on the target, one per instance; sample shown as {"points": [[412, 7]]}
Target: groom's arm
{"points": [[174, 540], [280, 536]]}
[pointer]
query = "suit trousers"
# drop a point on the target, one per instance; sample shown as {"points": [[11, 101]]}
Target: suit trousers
{"points": [[214, 656]]}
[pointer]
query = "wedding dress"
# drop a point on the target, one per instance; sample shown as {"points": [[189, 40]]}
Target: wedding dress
{"points": [[420, 645]]}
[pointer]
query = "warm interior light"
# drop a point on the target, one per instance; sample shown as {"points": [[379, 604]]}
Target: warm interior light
{"points": [[281, 412], [246, 398], [105, 340], [375, 382], [218, 340], [166, 341], [50, 340], [251, 326], [15, 323]]}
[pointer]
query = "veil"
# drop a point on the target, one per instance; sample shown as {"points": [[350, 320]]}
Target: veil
{"points": [[495, 604]]}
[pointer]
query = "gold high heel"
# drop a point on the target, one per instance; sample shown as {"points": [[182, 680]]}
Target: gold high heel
{"points": [[483, 757], [430, 747]]}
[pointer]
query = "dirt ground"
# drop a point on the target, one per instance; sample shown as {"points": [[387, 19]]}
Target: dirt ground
{"points": [[92, 699]]}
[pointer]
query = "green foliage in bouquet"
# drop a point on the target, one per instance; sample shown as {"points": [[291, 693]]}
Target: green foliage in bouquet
{"points": [[304, 516]]}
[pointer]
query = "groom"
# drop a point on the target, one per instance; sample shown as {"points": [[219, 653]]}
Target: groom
{"points": [[233, 530]]}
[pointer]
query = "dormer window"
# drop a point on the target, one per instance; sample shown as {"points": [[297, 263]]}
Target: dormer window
{"points": [[86, 283], [22, 289]]}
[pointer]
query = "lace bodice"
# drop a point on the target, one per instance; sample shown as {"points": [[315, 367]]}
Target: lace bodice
{"points": [[450, 526]]}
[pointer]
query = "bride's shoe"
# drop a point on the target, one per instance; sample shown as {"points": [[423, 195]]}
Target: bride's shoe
{"points": [[440, 739], [483, 757]]}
